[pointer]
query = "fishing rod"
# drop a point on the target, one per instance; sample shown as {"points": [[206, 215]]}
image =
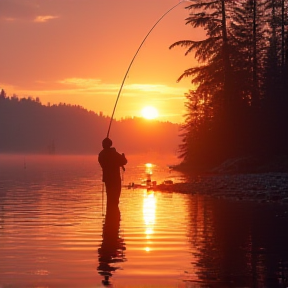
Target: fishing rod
{"points": [[122, 84]]}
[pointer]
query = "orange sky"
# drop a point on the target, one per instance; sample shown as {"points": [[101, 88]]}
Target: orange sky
{"points": [[78, 51]]}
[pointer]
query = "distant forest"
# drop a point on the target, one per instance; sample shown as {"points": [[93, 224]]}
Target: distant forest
{"points": [[240, 106], [27, 126]]}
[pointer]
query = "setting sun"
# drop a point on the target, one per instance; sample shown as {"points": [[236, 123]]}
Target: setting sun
{"points": [[149, 112]]}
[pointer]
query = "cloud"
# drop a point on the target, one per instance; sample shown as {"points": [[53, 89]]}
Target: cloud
{"points": [[81, 82], [90, 85], [147, 87], [42, 19], [156, 89], [23, 10], [97, 86], [18, 9], [86, 87]]}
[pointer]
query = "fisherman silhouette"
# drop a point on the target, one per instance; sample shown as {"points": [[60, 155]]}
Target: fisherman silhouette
{"points": [[112, 248], [111, 161]]}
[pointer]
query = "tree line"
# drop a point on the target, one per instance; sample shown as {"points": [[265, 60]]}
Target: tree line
{"points": [[27, 126], [240, 105]]}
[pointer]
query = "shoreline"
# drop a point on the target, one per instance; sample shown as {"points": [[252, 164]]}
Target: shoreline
{"points": [[261, 187]]}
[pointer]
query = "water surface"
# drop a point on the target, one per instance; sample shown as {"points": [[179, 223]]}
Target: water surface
{"points": [[52, 231]]}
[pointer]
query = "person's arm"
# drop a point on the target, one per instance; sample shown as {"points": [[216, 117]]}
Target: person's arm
{"points": [[124, 160], [121, 159]]}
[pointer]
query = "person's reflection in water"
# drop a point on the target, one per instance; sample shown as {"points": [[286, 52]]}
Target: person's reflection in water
{"points": [[112, 248]]}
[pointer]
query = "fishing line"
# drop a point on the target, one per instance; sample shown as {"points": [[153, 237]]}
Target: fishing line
{"points": [[122, 84]]}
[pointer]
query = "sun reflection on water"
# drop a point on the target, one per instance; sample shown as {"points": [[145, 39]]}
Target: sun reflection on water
{"points": [[148, 165], [149, 211], [149, 172]]}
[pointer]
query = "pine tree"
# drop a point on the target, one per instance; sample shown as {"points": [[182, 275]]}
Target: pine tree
{"points": [[275, 102], [215, 73], [241, 81], [214, 78]]}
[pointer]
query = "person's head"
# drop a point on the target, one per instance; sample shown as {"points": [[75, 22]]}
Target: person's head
{"points": [[107, 143]]}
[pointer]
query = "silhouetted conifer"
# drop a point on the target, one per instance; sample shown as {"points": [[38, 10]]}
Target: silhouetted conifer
{"points": [[242, 75]]}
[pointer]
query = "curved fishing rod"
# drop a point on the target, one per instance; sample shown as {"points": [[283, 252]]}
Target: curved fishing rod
{"points": [[122, 84]]}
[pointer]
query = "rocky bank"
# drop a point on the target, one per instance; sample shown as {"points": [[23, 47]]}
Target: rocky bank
{"points": [[262, 187]]}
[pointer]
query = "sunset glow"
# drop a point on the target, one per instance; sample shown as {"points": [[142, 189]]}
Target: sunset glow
{"points": [[149, 112], [82, 67]]}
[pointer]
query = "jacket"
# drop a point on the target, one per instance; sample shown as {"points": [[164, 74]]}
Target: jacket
{"points": [[111, 161]]}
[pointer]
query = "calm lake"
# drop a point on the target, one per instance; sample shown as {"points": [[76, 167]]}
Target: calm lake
{"points": [[51, 230]]}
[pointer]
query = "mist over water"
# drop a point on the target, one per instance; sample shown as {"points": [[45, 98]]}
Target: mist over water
{"points": [[51, 230]]}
